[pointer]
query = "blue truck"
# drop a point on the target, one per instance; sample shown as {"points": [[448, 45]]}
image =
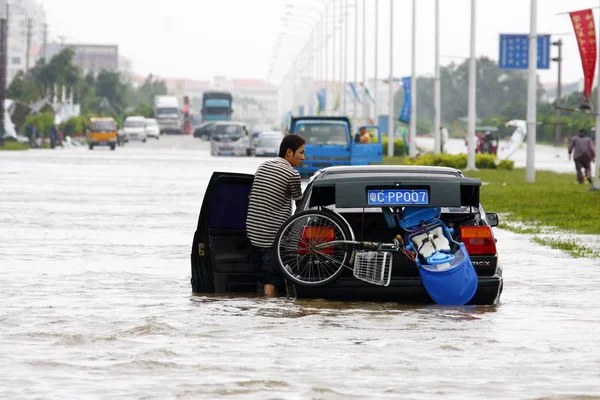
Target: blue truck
{"points": [[216, 106], [330, 142]]}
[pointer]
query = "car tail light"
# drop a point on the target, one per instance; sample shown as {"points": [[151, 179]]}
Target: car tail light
{"points": [[316, 235], [478, 239]]}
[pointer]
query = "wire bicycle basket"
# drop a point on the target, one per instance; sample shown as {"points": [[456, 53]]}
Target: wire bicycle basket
{"points": [[373, 267]]}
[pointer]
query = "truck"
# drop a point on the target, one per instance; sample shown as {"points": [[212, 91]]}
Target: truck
{"points": [[168, 114], [216, 106], [330, 142]]}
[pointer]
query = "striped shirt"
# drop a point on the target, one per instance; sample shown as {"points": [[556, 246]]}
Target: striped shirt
{"points": [[276, 183]]}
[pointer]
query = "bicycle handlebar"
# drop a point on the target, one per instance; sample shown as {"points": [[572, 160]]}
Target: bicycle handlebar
{"points": [[375, 246]]}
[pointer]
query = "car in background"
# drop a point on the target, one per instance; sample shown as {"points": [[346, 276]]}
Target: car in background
{"points": [[230, 138], [267, 143], [203, 131], [134, 128], [257, 129], [152, 128], [102, 132]]}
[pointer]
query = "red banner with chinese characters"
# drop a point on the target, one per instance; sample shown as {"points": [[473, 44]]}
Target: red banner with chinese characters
{"points": [[585, 30]]}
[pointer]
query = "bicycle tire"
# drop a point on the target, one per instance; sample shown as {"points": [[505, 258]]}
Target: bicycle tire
{"points": [[307, 267]]}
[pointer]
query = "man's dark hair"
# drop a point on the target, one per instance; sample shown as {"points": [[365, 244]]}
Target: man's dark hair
{"points": [[292, 142], [583, 132]]}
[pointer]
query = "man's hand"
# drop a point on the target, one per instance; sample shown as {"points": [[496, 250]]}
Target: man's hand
{"points": [[569, 156]]}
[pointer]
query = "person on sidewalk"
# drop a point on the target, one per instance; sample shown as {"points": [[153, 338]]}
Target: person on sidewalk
{"points": [[581, 147]]}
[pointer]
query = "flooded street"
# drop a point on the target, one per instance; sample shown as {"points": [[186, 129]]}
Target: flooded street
{"points": [[96, 302]]}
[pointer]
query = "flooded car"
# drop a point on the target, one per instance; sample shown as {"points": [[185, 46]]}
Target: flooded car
{"points": [[390, 233]]}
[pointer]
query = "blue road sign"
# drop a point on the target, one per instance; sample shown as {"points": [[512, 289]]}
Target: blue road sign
{"points": [[514, 52]]}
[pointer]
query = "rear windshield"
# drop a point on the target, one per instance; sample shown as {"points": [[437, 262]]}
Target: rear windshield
{"points": [[323, 133]]}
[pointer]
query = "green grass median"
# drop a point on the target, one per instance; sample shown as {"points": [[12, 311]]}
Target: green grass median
{"points": [[554, 199], [14, 146]]}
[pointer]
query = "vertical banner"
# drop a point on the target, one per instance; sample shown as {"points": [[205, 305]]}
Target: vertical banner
{"points": [[405, 112], [585, 30], [367, 93], [336, 105], [354, 92], [322, 98]]}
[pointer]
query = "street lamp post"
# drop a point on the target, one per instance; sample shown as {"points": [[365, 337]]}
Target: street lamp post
{"points": [[345, 77], [364, 59], [596, 184], [390, 86], [413, 85], [437, 102], [355, 112], [472, 82], [376, 56], [532, 95]]}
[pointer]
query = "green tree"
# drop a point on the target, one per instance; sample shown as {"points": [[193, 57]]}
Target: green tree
{"points": [[150, 88], [23, 89]]}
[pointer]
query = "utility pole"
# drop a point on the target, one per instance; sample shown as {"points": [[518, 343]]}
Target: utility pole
{"points": [[29, 25], [558, 43]]}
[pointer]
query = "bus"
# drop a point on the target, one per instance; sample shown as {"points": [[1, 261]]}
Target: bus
{"points": [[216, 106]]}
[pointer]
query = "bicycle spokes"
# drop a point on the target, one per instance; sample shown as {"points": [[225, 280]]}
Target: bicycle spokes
{"points": [[302, 253]]}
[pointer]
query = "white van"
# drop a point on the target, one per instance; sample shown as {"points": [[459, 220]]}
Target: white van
{"points": [[152, 129], [229, 138], [134, 128]]}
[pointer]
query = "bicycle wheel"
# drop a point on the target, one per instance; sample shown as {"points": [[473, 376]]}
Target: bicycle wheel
{"points": [[295, 243]]}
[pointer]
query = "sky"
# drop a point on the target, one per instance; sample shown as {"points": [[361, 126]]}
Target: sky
{"points": [[200, 39]]}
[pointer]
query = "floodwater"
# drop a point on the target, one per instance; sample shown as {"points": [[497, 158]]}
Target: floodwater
{"points": [[96, 302]]}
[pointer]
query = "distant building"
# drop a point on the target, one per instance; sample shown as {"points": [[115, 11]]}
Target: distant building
{"points": [[26, 18], [93, 58]]}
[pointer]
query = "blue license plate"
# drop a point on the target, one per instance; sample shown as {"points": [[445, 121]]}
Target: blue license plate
{"points": [[398, 197]]}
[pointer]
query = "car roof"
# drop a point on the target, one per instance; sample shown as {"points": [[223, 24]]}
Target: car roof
{"points": [[332, 173], [447, 187], [135, 117], [229, 123], [271, 133]]}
